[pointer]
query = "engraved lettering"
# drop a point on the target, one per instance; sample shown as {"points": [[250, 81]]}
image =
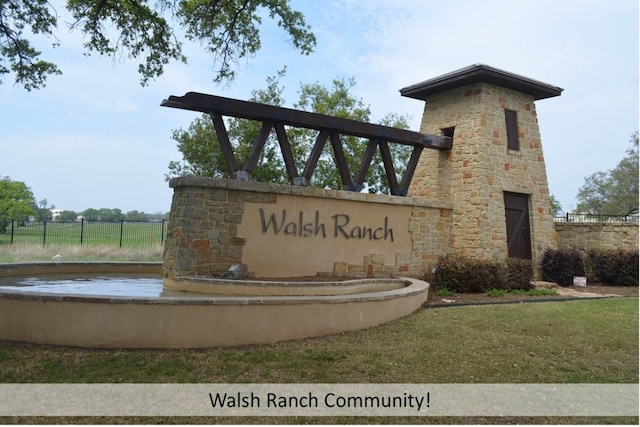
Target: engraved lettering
{"points": [[388, 232], [291, 228], [272, 221], [339, 226], [319, 226], [376, 236], [342, 227]]}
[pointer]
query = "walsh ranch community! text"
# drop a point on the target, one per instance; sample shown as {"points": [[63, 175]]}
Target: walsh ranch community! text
{"points": [[339, 226], [312, 400]]}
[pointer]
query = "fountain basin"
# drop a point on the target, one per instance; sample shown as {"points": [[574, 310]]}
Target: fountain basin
{"points": [[255, 312], [213, 286]]}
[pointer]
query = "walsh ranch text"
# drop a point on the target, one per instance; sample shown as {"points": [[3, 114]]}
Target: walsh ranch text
{"points": [[340, 225]]}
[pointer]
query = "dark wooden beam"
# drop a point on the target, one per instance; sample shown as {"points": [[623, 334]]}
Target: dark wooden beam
{"points": [[254, 156], [411, 168], [287, 155], [225, 144], [341, 161], [316, 151], [250, 110], [389, 169], [369, 152]]}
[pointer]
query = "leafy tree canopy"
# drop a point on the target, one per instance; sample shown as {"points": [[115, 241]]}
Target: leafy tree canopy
{"points": [[203, 156], [614, 192], [555, 206], [227, 29], [103, 214], [16, 202], [137, 216], [67, 216], [90, 214], [111, 215]]}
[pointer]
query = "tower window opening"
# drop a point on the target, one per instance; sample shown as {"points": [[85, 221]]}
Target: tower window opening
{"points": [[511, 121]]}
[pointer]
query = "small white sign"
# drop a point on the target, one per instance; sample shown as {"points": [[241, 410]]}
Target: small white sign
{"points": [[579, 281]]}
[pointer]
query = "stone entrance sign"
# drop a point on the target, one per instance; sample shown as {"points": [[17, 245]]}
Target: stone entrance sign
{"points": [[482, 122], [288, 231]]}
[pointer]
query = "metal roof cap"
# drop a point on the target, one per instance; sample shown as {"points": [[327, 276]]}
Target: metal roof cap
{"points": [[480, 73]]}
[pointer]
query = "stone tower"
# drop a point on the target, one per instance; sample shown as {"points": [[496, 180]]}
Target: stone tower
{"points": [[495, 173]]}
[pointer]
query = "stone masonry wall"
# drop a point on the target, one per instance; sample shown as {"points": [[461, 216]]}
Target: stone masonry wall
{"points": [[209, 216], [599, 235], [477, 170]]}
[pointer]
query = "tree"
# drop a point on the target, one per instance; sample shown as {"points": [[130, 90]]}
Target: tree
{"points": [[203, 156], [103, 214], [111, 215], [226, 29], [201, 151], [137, 216], [67, 216], [43, 210], [614, 192], [16, 201], [158, 216], [339, 102], [91, 214], [555, 206]]}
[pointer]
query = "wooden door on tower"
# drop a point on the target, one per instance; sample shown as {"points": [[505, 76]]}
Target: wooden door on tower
{"points": [[516, 209]]}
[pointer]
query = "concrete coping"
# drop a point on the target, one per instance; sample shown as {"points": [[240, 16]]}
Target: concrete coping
{"points": [[263, 187], [235, 287], [357, 290], [413, 287]]}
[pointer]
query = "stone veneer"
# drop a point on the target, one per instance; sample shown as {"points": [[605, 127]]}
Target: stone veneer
{"points": [[599, 235], [477, 170], [213, 226], [455, 205]]}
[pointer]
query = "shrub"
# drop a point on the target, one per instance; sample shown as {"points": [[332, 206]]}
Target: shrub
{"points": [[472, 275], [561, 265], [518, 274], [616, 267], [466, 275]]}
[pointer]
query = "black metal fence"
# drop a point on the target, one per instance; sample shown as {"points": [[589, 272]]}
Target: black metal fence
{"points": [[577, 217], [121, 233], [148, 233]]}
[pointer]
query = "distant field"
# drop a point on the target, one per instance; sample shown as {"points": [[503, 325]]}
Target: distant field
{"points": [[123, 234]]}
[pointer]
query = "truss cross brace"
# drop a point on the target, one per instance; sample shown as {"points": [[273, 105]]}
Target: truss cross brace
{"points": [[328, 127]]}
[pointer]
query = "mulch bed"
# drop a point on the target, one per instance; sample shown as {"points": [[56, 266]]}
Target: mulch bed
{"points": [[480, 298], [462, 299]]}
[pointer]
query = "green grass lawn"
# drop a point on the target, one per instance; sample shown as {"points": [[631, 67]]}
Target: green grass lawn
{"points": [[590, 341]]}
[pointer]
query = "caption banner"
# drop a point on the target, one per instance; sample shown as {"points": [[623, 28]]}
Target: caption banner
{"points": [[318, 399]]}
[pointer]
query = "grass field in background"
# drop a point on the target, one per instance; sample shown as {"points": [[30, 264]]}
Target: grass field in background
{"points": [[587, 341], [126, 234]]}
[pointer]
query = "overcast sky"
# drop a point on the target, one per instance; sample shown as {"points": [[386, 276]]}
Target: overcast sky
{"points": [[95, 138]]}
